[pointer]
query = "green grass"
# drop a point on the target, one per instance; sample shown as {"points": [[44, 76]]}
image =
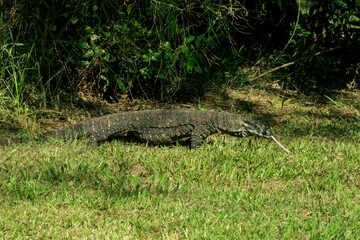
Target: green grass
{"points": [[228, 189]]}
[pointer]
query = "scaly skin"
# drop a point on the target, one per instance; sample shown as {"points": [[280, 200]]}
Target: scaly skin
{"points": [[157, 126]]}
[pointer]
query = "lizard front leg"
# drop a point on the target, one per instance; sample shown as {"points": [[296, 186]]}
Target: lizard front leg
{"points": [[199, 134]]}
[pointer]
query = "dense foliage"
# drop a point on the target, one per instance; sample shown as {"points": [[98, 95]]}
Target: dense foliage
{"points": [[162, 48]]}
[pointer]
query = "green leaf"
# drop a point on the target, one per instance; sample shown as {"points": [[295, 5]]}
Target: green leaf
{"points": [[107, 57], [89, 54], [144, 71], [97, 50], [161, 76], [198, 69], [74, 20], [185, 50], [167, 45], [189, 68], [190, 38], [106, 79], [94, 37], [199, 39], [121, 83], [84, 45], [85, 63]]}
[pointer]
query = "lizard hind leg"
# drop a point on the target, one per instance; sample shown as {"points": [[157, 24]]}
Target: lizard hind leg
{"points": [[93, 140], [99, 136]]}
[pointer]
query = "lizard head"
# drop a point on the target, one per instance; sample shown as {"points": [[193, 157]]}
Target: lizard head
{"points": [[257, 128], [253, 127]]}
